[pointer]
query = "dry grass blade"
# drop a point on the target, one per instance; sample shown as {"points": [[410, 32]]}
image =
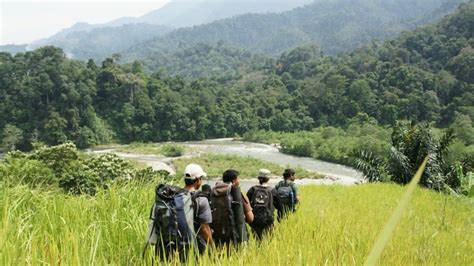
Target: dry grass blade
{"points": [[389, 227]]}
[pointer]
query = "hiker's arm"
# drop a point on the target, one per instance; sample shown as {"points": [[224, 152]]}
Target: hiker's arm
{"points": [[206, 233], [247, 210], [297, 196]]}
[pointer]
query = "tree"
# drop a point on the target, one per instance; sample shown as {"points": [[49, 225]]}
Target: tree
{"points": [[11, 136], [411, 144]]}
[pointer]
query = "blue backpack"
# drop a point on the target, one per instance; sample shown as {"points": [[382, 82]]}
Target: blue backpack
{"points": [[287, 195]]}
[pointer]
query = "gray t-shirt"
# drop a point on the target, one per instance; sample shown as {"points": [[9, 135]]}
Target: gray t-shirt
{"points": [[204, 214]]}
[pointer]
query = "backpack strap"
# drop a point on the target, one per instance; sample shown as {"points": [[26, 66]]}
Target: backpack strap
{"points": [[235, 233]]}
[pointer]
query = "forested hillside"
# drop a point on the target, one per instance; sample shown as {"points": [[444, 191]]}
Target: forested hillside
{"points": [[425, 75], [218, 61], [336, 26], [97, 41], [185, 13], [101, 42]]}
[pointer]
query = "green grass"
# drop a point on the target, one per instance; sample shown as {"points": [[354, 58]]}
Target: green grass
{"points": [[215, 164], [334, 225], [168, 150]]}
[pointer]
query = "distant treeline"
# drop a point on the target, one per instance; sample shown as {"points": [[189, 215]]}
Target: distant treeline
{"points": [[424, 75]]}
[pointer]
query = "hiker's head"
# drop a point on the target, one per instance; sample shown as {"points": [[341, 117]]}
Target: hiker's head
{"points": [[231, 176], [206, 188], [263, 176], [193, 175], [289, 174]]}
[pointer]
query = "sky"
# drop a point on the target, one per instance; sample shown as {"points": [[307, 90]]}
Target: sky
{"points": [[23, 21]]}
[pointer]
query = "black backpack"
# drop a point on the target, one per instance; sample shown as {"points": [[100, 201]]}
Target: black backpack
{"points": [[262, 205], [172, 216]]}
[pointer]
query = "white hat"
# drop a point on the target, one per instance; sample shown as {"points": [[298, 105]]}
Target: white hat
{"points": [[264, 173], [193, 171]]}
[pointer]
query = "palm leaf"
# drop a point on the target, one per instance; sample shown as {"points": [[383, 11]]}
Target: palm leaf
{"points": [[372, 166]]}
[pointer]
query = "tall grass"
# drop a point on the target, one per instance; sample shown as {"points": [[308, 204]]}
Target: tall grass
{"points": [[334, 225]]}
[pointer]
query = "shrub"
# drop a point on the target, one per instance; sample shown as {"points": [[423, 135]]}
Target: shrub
{"points": [[172, 150], [28, 172]]}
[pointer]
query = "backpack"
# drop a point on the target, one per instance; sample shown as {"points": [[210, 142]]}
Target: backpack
{"points": [[172, 221], [286, 194], [223, 219], [262, 205]]}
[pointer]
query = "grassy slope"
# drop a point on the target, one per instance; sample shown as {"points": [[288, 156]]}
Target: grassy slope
{"points": [[335, 225]]}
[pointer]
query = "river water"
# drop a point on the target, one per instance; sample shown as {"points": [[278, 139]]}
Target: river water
{"points": [[335, 173]]}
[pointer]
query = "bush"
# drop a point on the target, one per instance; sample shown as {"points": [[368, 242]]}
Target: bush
{"points": [[172, 150], [62, 167], [25, 171], [80, 182], [56, 157]]}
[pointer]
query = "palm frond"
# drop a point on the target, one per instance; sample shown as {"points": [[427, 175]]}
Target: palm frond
{"points": [[372, 166], [400, 166]]}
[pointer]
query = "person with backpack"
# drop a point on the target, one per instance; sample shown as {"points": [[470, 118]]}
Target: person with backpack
{"points": [[263, 199], [193, 175], [288, 193], [231, 211], [180, 218]]}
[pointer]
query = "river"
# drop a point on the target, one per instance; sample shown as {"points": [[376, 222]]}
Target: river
{"points": [[335, 173]]}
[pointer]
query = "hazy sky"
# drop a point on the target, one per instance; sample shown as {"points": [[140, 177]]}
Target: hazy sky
{"points": [[23, 21]]}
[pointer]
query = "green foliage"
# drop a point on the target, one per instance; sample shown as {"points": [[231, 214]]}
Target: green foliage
{"points": [[57, 158], [109, 167], [81, 181], [172, 150], [215, 165], [420, 76], [15, 171], [328, 143], [168, 150], [466, 181], [411, 143], [147, 175], [62, 167], [11, 136], [372, 167]]}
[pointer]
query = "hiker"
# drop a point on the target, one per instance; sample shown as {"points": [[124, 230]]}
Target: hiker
{"points": [[230, 211], [206, 188], [193, 175], [180, 218], [263, 199], [288, 193]]}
